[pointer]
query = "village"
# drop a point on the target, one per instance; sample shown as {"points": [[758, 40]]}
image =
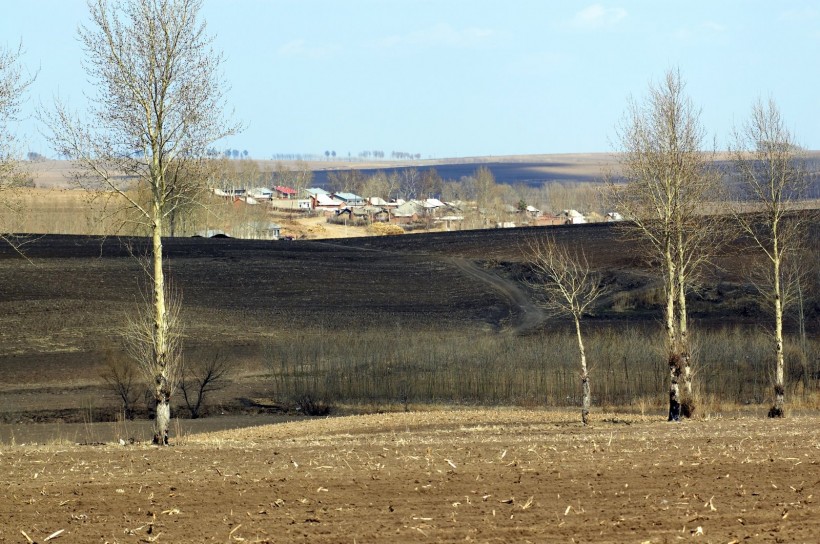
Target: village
{"points": [[396, 216]]}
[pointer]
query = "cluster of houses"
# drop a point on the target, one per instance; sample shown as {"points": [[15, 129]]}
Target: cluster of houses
{"points": [[373, 209], [429, 211], [376, 209]]}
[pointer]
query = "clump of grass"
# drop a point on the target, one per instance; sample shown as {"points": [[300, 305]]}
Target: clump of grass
{"points": [[311, 406]]}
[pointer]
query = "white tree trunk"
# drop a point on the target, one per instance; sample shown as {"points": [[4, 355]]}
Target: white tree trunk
{"points": [[672, 338], [161, 385], [687, 400], [778, 409], [162, 422], [586, 401]]}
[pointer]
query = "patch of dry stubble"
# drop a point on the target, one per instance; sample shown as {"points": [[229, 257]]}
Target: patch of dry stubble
{"points": [[451, 475]]}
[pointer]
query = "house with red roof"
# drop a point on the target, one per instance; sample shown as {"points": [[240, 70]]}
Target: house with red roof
{"points": [[285, 192]]}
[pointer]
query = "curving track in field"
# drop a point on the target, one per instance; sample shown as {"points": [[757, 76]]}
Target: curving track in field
{"points": [[526, 315]]}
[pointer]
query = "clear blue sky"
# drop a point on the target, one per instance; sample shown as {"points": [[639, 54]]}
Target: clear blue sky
{"points": [[465, 77]]}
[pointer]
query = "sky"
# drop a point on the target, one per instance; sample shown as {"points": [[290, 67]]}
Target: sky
{"points": [[461, 78]]}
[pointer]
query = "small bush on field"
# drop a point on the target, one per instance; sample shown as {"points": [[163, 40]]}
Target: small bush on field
{"points": [[308, 405], [123, 380], [644, 299]]}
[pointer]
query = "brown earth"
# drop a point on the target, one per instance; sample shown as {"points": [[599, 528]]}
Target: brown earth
{"points": [[450, 476]]}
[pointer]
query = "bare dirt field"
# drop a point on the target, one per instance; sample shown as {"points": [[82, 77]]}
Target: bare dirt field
{"points": [[448, 476]]}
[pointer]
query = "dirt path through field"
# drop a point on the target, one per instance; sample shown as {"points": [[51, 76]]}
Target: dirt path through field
{"points": [[526, 315]]}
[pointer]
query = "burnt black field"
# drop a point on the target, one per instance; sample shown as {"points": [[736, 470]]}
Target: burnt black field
{"points": [[533, 174], [63, 306]]}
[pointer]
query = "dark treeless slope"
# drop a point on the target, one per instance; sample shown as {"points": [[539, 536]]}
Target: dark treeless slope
{"points": [[61, 311]]}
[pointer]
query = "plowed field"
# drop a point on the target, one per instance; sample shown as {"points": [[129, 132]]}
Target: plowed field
{"points": [[456, 476]]}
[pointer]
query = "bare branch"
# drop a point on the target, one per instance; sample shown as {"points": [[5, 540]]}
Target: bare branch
{"points": [[200, 379], [570, 286]]}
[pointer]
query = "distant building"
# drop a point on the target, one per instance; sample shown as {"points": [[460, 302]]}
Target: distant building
{"points": [[350, 199], [573, 217], [285, 192], [316, 191], [548, 219], [260, 193], [325, 202]]}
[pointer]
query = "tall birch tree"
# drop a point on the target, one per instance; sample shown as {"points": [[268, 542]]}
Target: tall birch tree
{"points": [[668, 186], [570, 288], [157, 108], [773, 178]]}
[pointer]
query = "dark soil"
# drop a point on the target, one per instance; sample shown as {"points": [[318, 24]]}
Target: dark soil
{"points": [[62, 307]]}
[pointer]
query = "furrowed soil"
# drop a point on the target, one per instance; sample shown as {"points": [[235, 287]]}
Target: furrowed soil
{"points": [[64, 305], [447, 476]]}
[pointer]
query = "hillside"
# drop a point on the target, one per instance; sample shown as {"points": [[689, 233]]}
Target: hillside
{"points": [[63, 306], [529, 169]]}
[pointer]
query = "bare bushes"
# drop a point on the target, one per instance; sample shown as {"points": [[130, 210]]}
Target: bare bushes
{"points": [[124, 382], [398, 368], [377, 367], [201, 378]]}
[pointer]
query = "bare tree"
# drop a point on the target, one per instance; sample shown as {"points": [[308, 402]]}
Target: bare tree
{"points": [[431, 184], [377, 185], [409, 183], [570, 288], [201, 379], [124, 381], [298, 178], [157, 110], [13, 85], [772, 178], [350, 181], [669, 185], [486, 189]]}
